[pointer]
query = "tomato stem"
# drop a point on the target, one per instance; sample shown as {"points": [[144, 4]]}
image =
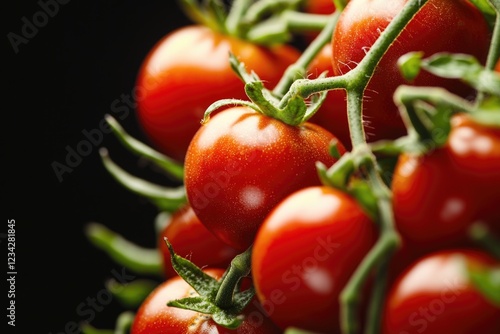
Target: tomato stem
{"points": [[240, 267], [234, 18], [299, 67]]}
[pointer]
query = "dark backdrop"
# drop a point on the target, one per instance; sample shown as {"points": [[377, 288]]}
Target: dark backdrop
{"points": [[69, 61]]}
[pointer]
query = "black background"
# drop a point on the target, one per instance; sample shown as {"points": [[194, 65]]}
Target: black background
{"points": [[60, 83]]}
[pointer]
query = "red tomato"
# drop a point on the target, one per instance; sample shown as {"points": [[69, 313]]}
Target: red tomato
{"points": [[324, 7], [305, 252], [497, 67], [187, 71], [437, 196], [441, 25], [333, 111], [242, 163], [155, 317], [436, 295], [192, 240]]}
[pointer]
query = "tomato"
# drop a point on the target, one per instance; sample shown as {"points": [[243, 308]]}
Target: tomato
{"points": [[191, 239], [155, 317], [187, 71], [333, 111], [441, 25], [324, 7], [437, 196], [242, 163], [436, 295], [304, 254], [497, 67]]}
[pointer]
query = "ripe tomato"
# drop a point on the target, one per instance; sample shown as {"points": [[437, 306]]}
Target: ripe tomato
{"points": [[242, 163], [191, 239], [188, 70], [304, 254], [441, 25], [333, 111], [155, 317], [437, 196], [324, 7], [436, 295]]}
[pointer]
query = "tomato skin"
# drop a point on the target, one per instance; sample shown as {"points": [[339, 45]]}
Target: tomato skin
{"points": [[436, 197], [304, 254], [242, 163], [436, 295], [187, 71], [155, 317], [324, 7], [191, 239], [441, 25], [333, 112]]}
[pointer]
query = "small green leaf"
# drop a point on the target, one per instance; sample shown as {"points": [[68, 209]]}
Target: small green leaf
{"points": [[410, 65], [487, 281], [198, 304], [203, 283], [227, 319], [242, 299], [463, 67]]}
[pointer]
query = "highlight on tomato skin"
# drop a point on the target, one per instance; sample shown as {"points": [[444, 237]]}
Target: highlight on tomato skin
{"points": [[189, 69], [305, 252], [437, 294], [241, 164]]}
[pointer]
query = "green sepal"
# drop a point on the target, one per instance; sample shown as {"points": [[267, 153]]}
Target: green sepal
{"points": [[209, 288], [294, 330], [488, 112], [487, 10], [202, 283], [164, 198], [170, 166], [197, 304], [464, 67], [410, 65], [487, 281], [364, 195]]}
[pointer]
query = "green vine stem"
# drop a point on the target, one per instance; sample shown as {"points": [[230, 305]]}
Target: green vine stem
{"points": [[297, 69], [355, 83], [494, 51]]}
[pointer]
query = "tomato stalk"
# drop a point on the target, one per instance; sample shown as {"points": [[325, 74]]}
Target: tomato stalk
{"points": [[292, 72], [239, 268], [355, 83]]}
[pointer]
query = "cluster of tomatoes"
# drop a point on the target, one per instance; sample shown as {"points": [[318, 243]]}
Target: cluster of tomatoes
{"points": [[272, 243]]}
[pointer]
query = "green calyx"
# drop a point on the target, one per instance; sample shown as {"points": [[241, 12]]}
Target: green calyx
{"points": [[221, 299], [296, 112]]}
